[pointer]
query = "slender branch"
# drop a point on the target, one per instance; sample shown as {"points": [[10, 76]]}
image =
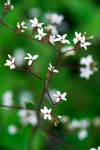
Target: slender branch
{"points": [[26, 70], [56, 64], [40, 103], [30, 144], [55, 137], [16, 107], [49, 96], [27, 36]]}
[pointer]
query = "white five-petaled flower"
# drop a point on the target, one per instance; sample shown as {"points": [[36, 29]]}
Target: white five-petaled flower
{"points": [[47, 113], [8, 3], [87, 61], [10, 62], [40, 34], [60, 96], [52, 69], [85, 72], [62, 39], [83, 43], [77, 38], [35, 23], [54, 18], [52, 39], [31, 58], [21, 26], [98, 148]]}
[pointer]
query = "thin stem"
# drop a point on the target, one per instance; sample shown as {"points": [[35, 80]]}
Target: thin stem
{"points": [[15, 107], [27, 36], [49, 96], [54, 137], [26, 70], [39, 105], [56, 64], [30, 144]]}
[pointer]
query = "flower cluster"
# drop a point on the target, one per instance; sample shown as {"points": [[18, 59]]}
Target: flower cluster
{"points": [[82, 40], [8, 6], [90, 67]]}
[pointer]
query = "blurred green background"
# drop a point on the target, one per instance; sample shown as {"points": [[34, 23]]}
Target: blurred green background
{"points": [[83, 95]]}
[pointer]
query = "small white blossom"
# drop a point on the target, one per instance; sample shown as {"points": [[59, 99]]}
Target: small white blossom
{"points": [[62, 39], [82, 134], [60, 96], [35, 23], [73, 124], [40, 34], [12, 129], [7, 98], [84, 43], [11, 62], [77, 38], [53, 29], [47, 113], [52, 69], [98, 148], [31, 58], [21, 26], [52, 39], [25, 97], [54, 18], [8, 3], [28, 117], [85, 72], [19, 54], [86, 60]]}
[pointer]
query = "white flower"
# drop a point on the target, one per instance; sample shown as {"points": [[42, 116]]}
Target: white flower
{"points": [[8, 3], [73, 124], [52, 39], [7, 98], [60, 96], [25, 97], [82, 134], [85, 72], [77, 38], [98, 148], [10, 62], [52, 69], [86, 60], [19, 55], [12, 129], [40, 34], [54, 18], [21, 26], [35, 23], [62, 39], [84, 44], [28, 117], [47, 113], [31, 58], [53, 29]]}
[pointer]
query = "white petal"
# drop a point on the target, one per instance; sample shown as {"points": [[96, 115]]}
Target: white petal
{"points": [[57, 100], [58, 92], [49, 116], [45, 116], [43, 111], [30, 62], [35, 57]]}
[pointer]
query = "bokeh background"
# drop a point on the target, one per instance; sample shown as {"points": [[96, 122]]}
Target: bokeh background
{"points": [[83, 100]]}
